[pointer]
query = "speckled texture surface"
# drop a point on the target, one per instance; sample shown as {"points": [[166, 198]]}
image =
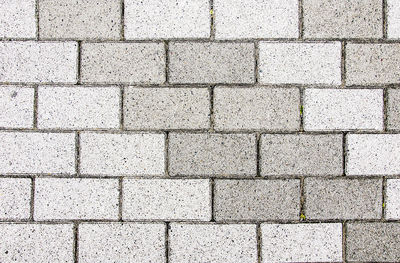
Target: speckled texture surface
{"points": [[15, 198], [392, 199], [393, 109], [393, 14], [17, 19], [16, 107]]}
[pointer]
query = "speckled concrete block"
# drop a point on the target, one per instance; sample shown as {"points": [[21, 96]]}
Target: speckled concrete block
{"points": [[327, 199], [166, 108], [73, 198], [31, 153], [122, 154], [16, 107], [343, 109], [392, 199], [36, 243], [17, 19], [258, 108], [127, 242], [299, 154], [212, 243], [38, 62], [393, 109], [300, 63], [257, 200], [393, 19], [123, 63], [87, 107], [15, 196], [301, 242], [212, 154], [373, 154], [207, 62], [256, 19], [80, 19]]}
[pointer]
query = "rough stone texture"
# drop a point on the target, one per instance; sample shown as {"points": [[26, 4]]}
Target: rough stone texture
{"points": [[393, 109], [15, 196], [16, 107], [166, 108], [212, 154], [208, 62], [17, 19], [393, 19], [257, 200], [258, 108], [392, 199], [301, 242], [191, 243], [343, 109], [299, 154]]}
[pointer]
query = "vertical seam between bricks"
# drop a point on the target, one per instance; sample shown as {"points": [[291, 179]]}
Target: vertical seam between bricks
{"points": [[384, 19], [35, 106], [32, 199], [212, 114], [212, 20], [301, 20], [344, 248], [343, 63], [258, 138], [301, 110], [302, 199], [385, 109], [120, 198], [259, 243], [122, 23], [167, 242], [77, 153], [384, 187], [79, 62], [344, 152], [256, 62], [166, 154], [166, 47], [76, 242], [121, 107], [212, 185], [37, 19]]}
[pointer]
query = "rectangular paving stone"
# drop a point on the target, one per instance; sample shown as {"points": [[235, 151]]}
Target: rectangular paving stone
{"points": [[17, 19], [301, 154], [166, 199], [212, 243], [343, 109], [258, 108], [348, 198], [75, 198], [122, 154], [373, 154], [373, 242], [79, 19], [262, 19], [392, 198], [16, 107], [300, 63], [38, 62], [372, 63], [15, 196], [166, 108], [32, 153], [393, 19], [393, 109], [212, 154], [301, 242], [342, 19], [36, 243], [207, 62], [86, 107], [125, 63], [256, 200], [127, 242]]}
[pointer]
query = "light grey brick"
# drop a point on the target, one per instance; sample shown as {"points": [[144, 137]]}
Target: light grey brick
{"points": [[392, 199], [122, 154], [301, 154], [393, 109], [393, 19], [45, 243], [261, 19], [256, 108], [199, 62], [16, 107], [31, 153], [123, 63], [212, 154], [257, 199], [17, 19], [76, 198], [191, 243], [342, 19], [343, 109], [166, 108], [343, 198], [372, 63], [15, 196], [117, 242], [78, 107], [301, 242], [174, 199], [38, 62]]}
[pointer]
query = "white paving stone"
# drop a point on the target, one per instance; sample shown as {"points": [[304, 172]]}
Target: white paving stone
{"points": [[393, 19], [15, 196], [16, 107], [393, 199], [17, 19]]}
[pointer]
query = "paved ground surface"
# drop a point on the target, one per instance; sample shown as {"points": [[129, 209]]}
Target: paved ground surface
{"points": [[199, 131]]}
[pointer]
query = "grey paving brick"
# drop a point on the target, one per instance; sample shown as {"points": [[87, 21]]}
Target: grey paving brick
{"points": [[343, 198], [123, 63], [36, 243], [301, 154], [393, 19], [15, 196], [191, 243], [166, 108], [373, 242], [257, 200], [79, 19], [256, 108], [212, 154], [372, 63], [342, 19], [38, 62], [207, 62], [393, 109], [392, 199], [16, 107], [75, 198], [121, 242], [17, 19]]}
